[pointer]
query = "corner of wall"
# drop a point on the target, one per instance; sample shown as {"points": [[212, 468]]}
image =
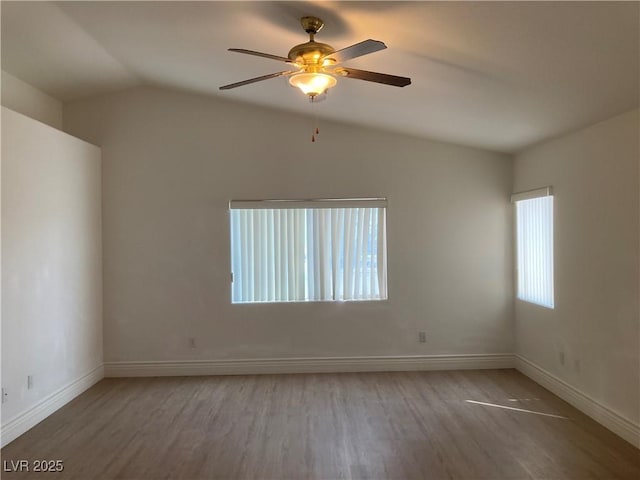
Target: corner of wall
{"points": [[24, 98]]}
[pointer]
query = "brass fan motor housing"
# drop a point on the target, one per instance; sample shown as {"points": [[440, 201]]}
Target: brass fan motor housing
{"points": [[310, 53]]}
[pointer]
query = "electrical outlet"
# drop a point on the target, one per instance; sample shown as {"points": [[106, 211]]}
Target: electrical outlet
{"points": [[192, 343], [561, 357], [29, 382], [5, 395], [422, 337]]}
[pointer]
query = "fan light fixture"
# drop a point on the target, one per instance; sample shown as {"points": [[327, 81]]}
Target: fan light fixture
{"points": [[313, 84]]}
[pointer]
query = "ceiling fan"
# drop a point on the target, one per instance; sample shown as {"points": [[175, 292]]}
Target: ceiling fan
{"points": [[315, 63]]}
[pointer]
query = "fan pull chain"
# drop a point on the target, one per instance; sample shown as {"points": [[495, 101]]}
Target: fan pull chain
{"points": [[314, 120]]}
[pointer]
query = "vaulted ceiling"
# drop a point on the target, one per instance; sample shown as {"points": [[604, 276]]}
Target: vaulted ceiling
{"points": [[487, 74]]}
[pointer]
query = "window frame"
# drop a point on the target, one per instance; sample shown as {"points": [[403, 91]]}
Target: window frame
{"points": [[524, 196], [320, 203]]}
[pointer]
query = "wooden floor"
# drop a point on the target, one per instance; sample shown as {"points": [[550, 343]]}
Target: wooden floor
{"points": [[331, 426]]}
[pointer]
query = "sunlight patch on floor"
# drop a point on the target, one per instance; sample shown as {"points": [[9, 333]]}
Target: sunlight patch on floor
{"points": [[517, 409]]}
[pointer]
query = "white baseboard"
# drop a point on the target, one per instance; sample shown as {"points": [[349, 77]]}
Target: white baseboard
{"points": [[308, 365], [34, 415], [615, 422]]}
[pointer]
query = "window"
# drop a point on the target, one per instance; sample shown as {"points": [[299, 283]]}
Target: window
{"points": [[316, 250], [534, 238]]}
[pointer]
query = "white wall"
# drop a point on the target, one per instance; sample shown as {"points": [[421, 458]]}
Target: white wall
{"points": [[596, 321], [51, 269], [28, 100], [172, 161]]}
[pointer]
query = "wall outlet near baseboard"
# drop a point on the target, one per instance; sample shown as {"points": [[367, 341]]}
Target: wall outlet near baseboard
{"points": [[29, 382], [192, 342], [422, 337], [5, 395]]}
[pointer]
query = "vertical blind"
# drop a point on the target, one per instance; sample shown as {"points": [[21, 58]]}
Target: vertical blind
{"points": [[308, 250], [534, 225]]}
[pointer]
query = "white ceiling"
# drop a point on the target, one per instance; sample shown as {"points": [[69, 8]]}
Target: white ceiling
{"points": [[494, 75]]}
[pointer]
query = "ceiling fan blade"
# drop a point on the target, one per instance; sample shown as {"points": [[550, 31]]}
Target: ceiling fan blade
{"points": [[393, 80], [254, 80], [359, 49], [260, 54]]}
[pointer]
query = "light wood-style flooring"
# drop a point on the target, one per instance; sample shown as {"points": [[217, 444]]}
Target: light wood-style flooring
{"points": [[397, 425]]}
